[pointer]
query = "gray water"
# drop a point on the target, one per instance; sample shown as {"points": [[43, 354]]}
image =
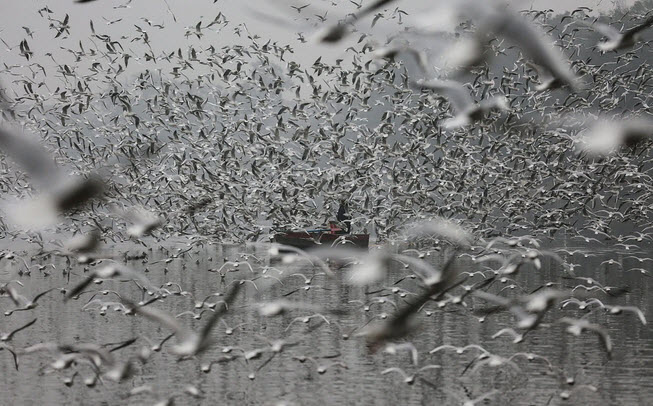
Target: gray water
{"points": [[623, 380]]}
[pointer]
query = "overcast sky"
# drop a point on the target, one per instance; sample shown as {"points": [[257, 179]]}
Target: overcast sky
{"points": [[281, 24]]}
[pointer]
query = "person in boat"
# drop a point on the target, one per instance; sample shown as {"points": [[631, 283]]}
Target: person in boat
{"points": [[343, 216]]}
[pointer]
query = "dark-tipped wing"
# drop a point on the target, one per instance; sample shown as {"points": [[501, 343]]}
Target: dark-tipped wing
{"points": [[79, 288], [604, 29], [534, 44], [215, 317], [37, 297], [21, 328], [644, 25], [453, 91], [13, 354], [160, 316], [340, 30]]}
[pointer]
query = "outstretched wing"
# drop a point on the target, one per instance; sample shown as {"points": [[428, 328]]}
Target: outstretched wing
{"points": [[453, 91], [204, 333], [605, 29], [647, 23]]}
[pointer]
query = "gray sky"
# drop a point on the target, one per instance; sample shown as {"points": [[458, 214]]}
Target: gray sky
{"points": [[283, 24]]}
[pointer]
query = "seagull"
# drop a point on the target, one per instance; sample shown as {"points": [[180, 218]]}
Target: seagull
{"points": [[109, 272], [492, 361], [143, 222], [443, 229], [391, 348], [9, 336], [616, 309], [399, 323], [199, 305], [618, 40], [547, 81], [206, 367], [577, 326], [472, 402], [84, 243], [170, 399], [532, 42], [278, 307], [459, 350], [321, 368], [391, 52], [196, 316], [565, 394], [25, 304], [13, 353], [63, 192], [117, 306], [146, 352], [466, 110], [96, 354], [306, 319], [300, 8], [517, 338], [190, 343], [230, 330], [337, 32], [410, 379], [531, 357], [582, 304], [604, 136]]}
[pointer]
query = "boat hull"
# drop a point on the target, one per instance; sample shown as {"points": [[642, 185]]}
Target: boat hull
{"points": [[306, 240]]}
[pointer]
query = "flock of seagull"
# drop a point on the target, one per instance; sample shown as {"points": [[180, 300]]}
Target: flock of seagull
{"points": [[469, 175]]}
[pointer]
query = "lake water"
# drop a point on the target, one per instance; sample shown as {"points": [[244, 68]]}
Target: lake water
{"points": [[354, 373]]}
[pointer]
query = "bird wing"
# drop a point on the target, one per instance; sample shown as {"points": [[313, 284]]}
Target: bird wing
{"points": [[278, 247], [92, 351], [442, 347], [128, 272], [543, 74], [204, 333], [427, 367], [123, 344], [440, 227], [161, 317], [37, 297], [604, 29], [635, 310], [603, 335], [371, 8], [22, 328], [428, 274], [505, 331], [394, 369], [533, 43], [647, 23], [501, 301], [50, 346], [583, 324], [453, 91], [13, 354], [399, 320], [79, 288], [15, 297]]}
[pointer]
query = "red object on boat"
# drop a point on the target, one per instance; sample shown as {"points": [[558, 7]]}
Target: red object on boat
{"points": [[334, 228]]}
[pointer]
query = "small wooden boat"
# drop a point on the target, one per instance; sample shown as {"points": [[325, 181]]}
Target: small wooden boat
{"points": [[322, 237]]}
